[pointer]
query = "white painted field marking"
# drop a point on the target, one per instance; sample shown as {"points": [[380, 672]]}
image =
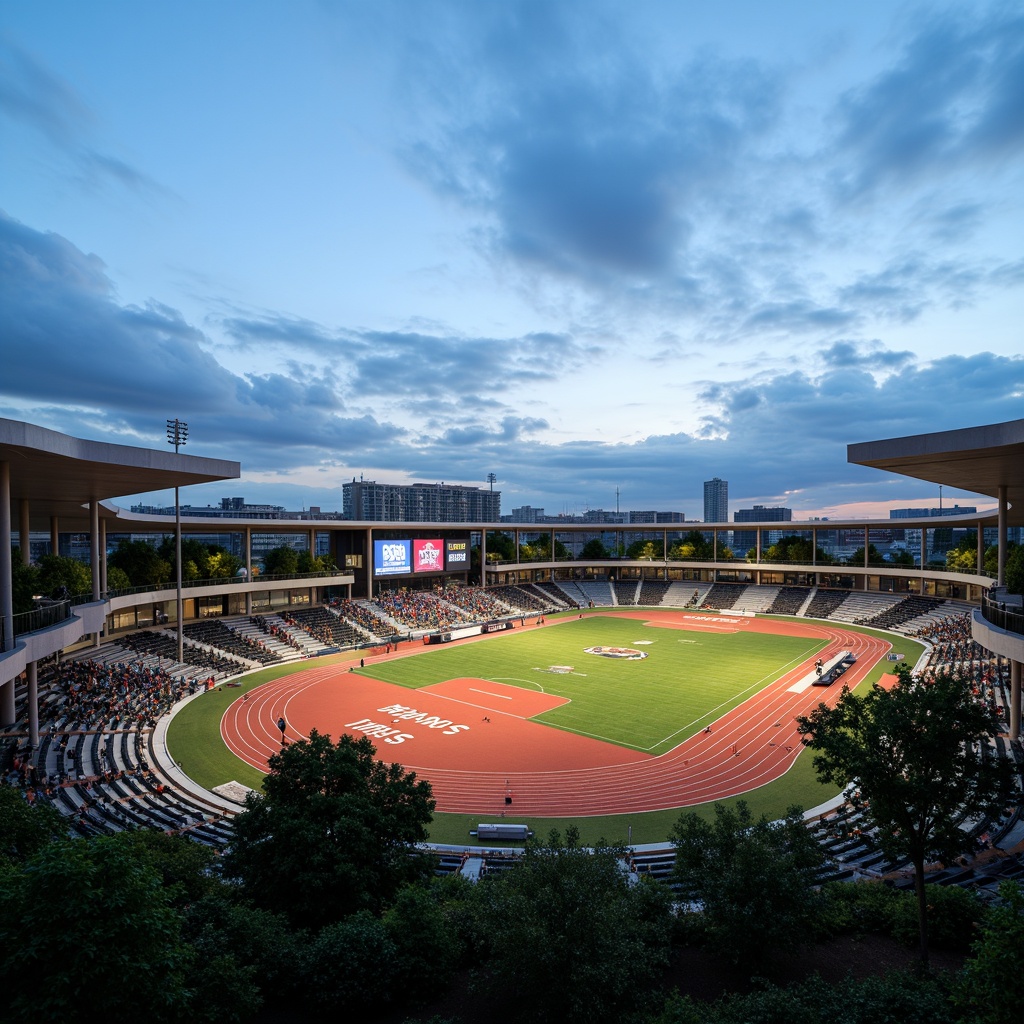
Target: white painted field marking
{"points": [[487, 693]]}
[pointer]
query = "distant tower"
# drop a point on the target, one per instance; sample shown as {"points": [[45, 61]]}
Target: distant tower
{"points": [[716, 501], [492, 479]]}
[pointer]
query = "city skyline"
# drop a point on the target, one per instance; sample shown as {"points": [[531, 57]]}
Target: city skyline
{"points": [[603, 253]]}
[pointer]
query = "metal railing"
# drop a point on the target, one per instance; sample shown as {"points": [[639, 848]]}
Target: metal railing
{"points": [[1006, 611]]}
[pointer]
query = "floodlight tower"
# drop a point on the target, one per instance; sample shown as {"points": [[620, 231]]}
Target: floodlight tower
{"points": [[177, 434]]}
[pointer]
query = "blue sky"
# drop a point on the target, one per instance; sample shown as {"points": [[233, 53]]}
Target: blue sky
{"points": [[585, 246]]}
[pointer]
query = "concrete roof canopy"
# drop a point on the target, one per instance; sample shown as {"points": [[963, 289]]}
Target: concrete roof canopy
{"points": [[976, 459], [58, 475]]}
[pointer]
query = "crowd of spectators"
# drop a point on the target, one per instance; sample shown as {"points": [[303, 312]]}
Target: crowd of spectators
{"points": [[214, 633], [420, 609], [276, 631], [363, 618]]}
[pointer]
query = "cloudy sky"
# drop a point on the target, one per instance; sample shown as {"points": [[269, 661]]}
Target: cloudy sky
{"points": [[595, 248]]}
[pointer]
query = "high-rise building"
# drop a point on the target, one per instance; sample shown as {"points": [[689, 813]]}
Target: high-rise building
{"points": [[716, 500], [368, 500], [744, 540]]}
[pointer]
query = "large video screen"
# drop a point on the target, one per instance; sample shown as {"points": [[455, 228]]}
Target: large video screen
{"points": [[456, 555], [392, 557], [427, 555]]}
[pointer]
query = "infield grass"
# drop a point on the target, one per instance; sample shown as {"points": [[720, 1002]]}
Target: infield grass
{"points": [[687, 680]]}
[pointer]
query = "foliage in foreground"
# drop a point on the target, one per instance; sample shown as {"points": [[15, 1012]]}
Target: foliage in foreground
{"points": [[333, 833], [570, 936], [752, 881], [918, 761]]}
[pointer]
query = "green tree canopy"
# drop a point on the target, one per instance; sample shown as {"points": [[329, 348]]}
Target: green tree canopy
{"points": [[570, 938], [918, 762], [281, 561], [1014, 569], [753, 880], [56, 571], [141, 562], [87, 925], [25, 583], [645, 549], [593, 550], [500, 547], [333, 832], [874, 556]]}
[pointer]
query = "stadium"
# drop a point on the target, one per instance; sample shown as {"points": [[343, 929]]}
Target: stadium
{"points": [[490, 678]]}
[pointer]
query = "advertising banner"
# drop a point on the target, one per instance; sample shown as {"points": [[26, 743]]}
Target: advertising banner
{"points": [[392, 557], [427, 555], [456, 555]]}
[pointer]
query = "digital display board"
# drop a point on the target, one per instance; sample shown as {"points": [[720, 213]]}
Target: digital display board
{"points": [[427, 555], [456, 555], [392, 557]]}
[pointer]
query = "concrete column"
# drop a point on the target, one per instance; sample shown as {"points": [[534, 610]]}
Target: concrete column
{"points": [[1001, 578], [980, 563], [369, 563], [94, 546], [54, 536], [865, 584], [1015, 671], [24, 534], [103, 556], [814, 548], [7, 716], [483, 557], [33, 705], [758, 556], [247, 557], [6, 567]]}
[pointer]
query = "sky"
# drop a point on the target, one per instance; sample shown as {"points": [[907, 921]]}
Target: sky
{"points": [[603, 250]]}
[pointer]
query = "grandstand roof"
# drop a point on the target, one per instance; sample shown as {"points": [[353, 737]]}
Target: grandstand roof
{"points": [[976, 459], [59, 475]]}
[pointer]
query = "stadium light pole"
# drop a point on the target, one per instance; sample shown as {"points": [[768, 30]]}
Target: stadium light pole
{"points": [[177, 434]]}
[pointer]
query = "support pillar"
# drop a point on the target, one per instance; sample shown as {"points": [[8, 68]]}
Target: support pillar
{"points": [[54, 536], [979, 565], [24, 534], [865, 586], [247, 555], [33, 705], [7, 716], [483, 557], [6, 567], [1015, 672], [103, 556], [94, 555], [1001, 578], [369, 563]]}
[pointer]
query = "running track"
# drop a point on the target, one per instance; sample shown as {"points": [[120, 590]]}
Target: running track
{"points": [[548, 772]]}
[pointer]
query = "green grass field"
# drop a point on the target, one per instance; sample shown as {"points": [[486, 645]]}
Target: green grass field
{"points": [[687, 681], [649, 705]]}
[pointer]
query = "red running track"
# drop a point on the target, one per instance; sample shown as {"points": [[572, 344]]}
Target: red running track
{"points": [[478, 744]]}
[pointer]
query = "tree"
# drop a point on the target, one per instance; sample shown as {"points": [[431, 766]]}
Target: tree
{"points": [[644, 549], [333, 832], [281, 561], [25, 583], [981, 993], [594, 550], [917, 759], [692, 546], [753, 880], [58, 571], [570, 938], [901, 556], [500, 548], [25, 829], [141, 562], [874, 556], [964, 557], [87, 925], [1014, 569]]}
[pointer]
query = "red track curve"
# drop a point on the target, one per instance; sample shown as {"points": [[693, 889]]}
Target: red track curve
{"points": [[588, 777]]}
